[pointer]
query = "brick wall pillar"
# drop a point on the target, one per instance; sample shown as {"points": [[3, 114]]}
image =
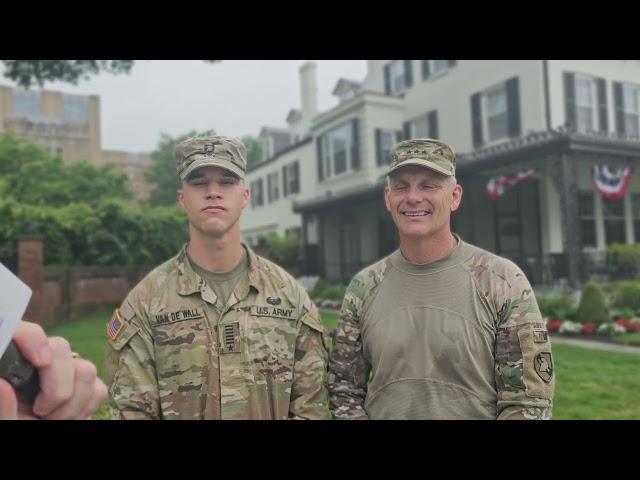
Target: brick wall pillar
{"points": [[31, 272]]}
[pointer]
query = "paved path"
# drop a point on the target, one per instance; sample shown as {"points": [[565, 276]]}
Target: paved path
{"points": [[610, 347]]}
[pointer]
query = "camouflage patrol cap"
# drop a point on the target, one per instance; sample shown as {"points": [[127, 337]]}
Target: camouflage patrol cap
{"points": [[218, 151], [424, 152]]}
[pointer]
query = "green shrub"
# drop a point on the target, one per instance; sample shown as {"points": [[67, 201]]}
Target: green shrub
{"points": [[624, 258], [593, 307], [323, 290], [284, 250], [557, 306], [624, 295]]}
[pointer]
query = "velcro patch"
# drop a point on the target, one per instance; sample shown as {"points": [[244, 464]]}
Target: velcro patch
{"points": [[229, 338], [540, 336], [276, 312], [115, 325], [543, 365], [172, 317]]}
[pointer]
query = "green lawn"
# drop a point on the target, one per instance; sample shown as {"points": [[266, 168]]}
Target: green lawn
{"points": [[590, 384], [594, 384], [630, 338]]}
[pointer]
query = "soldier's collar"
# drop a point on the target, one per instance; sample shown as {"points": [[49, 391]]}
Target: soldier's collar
{"points": [[189, 282], [254, 274]]}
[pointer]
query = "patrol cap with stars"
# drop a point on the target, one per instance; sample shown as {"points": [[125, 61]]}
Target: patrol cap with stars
{"points": [[216, 150], [424, 152]]}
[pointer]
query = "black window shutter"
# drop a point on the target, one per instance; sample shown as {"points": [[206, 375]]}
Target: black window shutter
{"points": [[452, 63], [570, 99], [252, 188], [618, 101], [319, 152], [285, 185], [387, 79], [432, 122], [476, 120], [513, 107], [426, 72], [296, 177], [269, 181], [355, 145], [601, 90], [408, 73], [378, 146], [406, 130]]}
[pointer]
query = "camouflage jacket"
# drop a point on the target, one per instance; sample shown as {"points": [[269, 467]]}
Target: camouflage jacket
{"points": [[176, 352], [475, 333]]}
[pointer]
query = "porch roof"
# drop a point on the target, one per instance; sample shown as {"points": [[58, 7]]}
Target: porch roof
{"points": [[549, 142]]}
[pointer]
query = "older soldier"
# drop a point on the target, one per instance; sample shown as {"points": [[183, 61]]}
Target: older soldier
{"points": [[440, 329], [217, 332]]}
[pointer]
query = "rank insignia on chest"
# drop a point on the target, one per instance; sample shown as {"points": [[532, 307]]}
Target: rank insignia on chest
{"points": [[230, 338]]}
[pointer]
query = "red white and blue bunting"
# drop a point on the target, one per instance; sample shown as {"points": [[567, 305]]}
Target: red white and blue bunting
{"points": [[612, 183], [498, 185]]}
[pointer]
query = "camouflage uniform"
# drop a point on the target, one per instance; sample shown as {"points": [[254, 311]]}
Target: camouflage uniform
{"points": [[181, 354], [520, 380], [177, 352], [461, 337]]}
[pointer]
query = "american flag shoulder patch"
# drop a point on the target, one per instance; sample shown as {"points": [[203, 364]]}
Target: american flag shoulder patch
{"points": [[115, 325]]}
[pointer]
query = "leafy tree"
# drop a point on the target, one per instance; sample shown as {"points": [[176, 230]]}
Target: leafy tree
{"points": [[254, 149], [162, 173], [31, 72], [31, 175]]}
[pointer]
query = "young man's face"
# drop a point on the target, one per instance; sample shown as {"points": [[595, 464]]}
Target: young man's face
{"points": [[213, 199], [421, 201]]}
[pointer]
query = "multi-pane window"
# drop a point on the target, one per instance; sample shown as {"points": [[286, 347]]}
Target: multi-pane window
{"points": [[585, 102], [336, 150], [291, 178], [396, 69], [273, 187], [387, 140], [420, 127], [586, 213], [613, 214], [26, 103], [635, 212], [496, 116], [631, 106], [257, 196], [75, 108]]}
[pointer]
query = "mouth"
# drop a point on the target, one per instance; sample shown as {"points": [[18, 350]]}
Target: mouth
{"points": [[416, 213], [213, 209]]}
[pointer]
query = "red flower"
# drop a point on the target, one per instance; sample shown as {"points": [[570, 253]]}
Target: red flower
{"points": [[589, 328], [622, 323], [554, 325], [633, 326]]}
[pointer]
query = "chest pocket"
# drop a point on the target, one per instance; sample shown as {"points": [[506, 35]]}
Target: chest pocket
{"points": [[270, 333], [182, 352]]}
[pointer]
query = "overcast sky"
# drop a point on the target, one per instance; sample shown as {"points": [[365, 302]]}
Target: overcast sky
{"points": [[234, 97]]}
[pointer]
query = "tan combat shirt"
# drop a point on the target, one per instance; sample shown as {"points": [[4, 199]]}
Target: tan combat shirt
{"points": [[460, 338], [176, 353]]}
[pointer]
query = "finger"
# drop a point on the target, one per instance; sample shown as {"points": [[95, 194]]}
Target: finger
{"points": [[83, 390], [8, 402], [56, 380], [33, 344], [100, 394]]}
